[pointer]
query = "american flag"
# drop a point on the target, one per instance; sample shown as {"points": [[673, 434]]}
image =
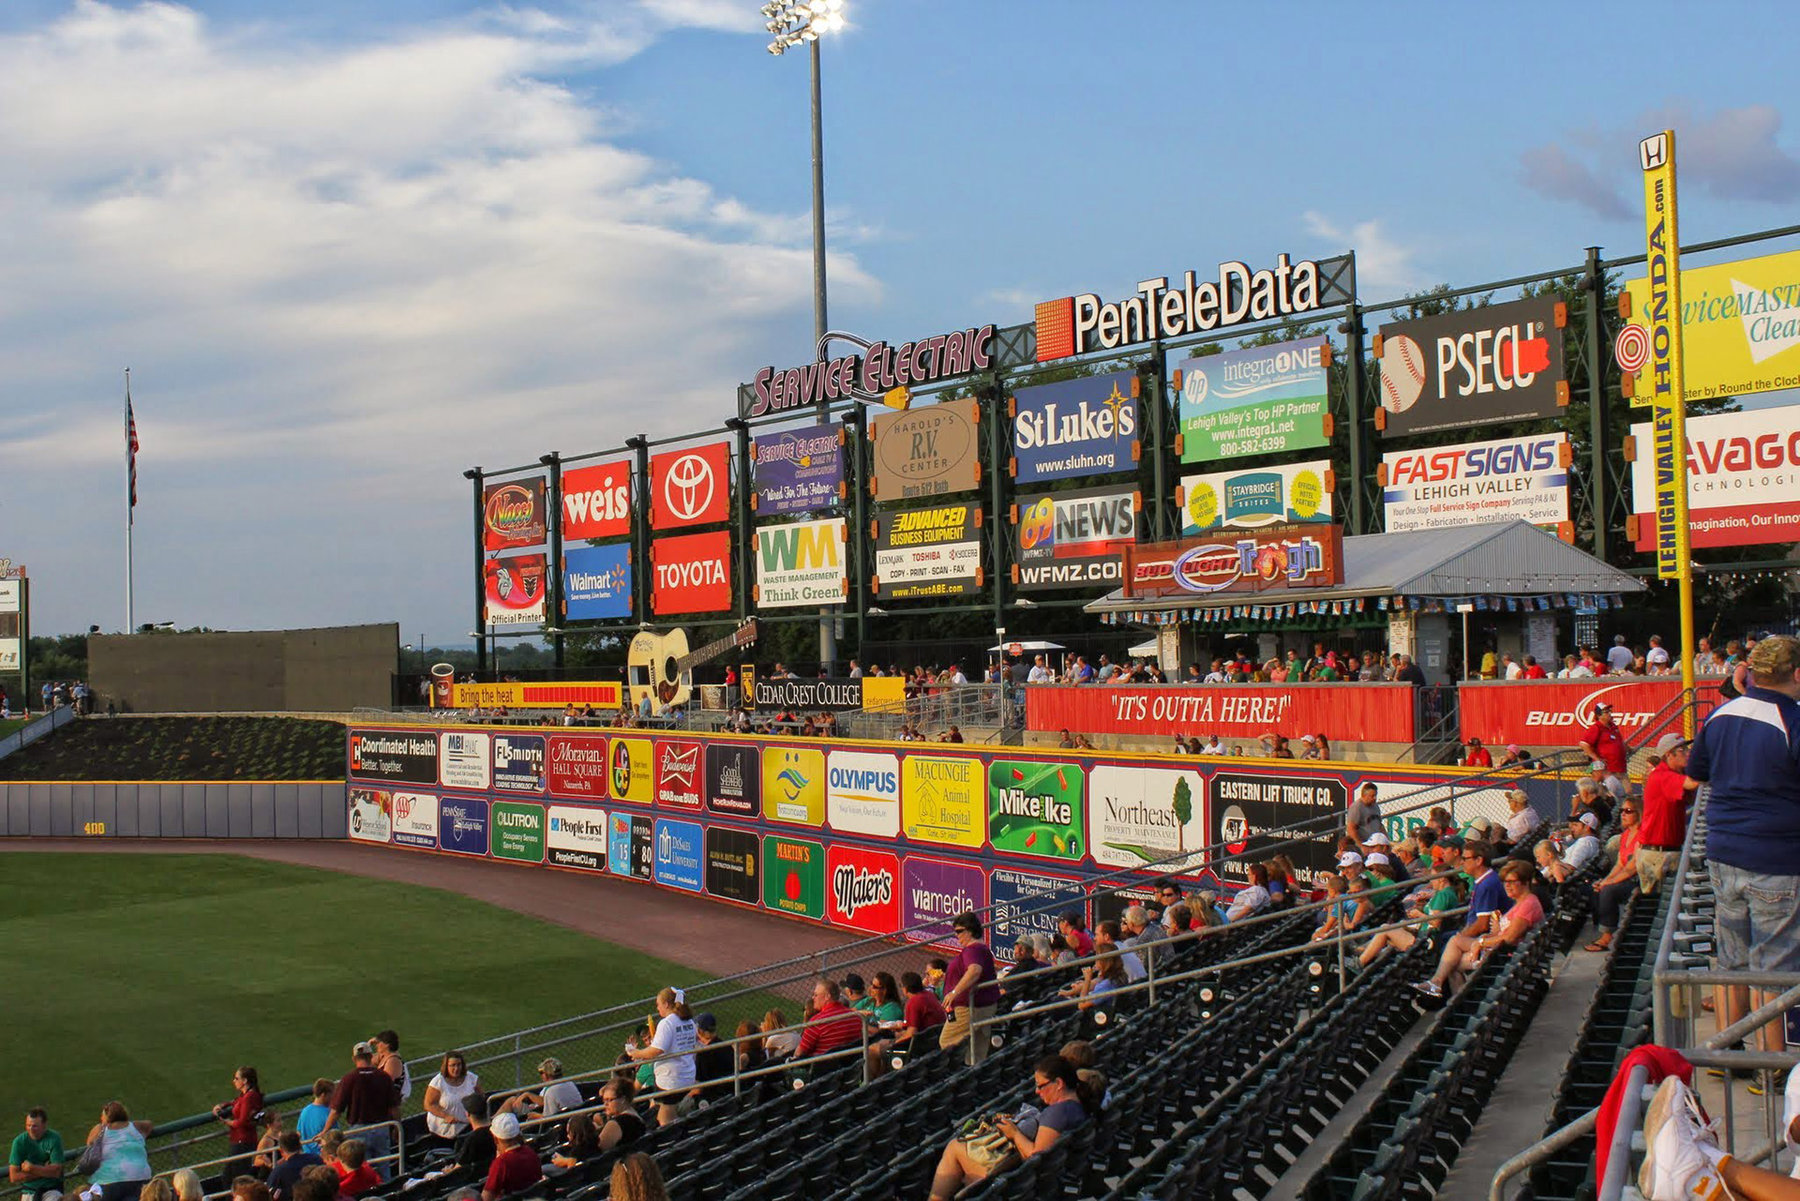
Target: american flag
{"points": [[131, 449]]}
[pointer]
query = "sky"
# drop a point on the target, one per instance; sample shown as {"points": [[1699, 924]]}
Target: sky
{"points": [[350, 250]]}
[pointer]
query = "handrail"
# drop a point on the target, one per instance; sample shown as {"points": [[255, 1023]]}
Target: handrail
{"points": [[39, 727]]}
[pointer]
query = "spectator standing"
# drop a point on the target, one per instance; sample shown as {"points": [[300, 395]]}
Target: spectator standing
{"points": [[446, 1095], [1665, 816], [1362, 819], [670, 1047], [239, 1114], [1656, 659], [1749, 751], [36, 1162], [387, 1058], [313, 1117], [364, 1097], [124, 1162], [1603, 742], [515, 1165], [1619, 659], [971, 986]]}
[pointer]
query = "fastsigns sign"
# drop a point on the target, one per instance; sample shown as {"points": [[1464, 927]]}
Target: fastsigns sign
{"points": [[1506, 479], [690, 486]]}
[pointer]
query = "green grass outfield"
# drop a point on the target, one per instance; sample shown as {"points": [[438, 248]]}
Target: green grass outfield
{"points": [[149, 978], [9, 724]]}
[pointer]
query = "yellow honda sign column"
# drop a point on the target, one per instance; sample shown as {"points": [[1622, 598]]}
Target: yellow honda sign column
{"points": [[1662, 316]]}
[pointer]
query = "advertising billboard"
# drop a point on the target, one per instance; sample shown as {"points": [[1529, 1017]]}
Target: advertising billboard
{"points": [[862, 793], [793, 878], [1504, 479], [1246, 806], [1740, 327], [1144, 815], [733, 779], [1558, 712], [597, 582], [874, 371], [1366, 713], [577, 837], [518, 763], [1027, 902], [933, 892], [1743, 478], [410, 758], [632, 770], [793, 785], [943, 799], [930, 451], [596, 501], [863, 888], [1473, 367], [923, 553], [800, 563], [691, 486], [680, 854], [630, 845], [1276, 558], [463, 825], [799, 470], [513, 587], [733, 866], [518, 831], [1036, 808], [1263, 400], [516, 694], [371, 814], [1072, 539], [1076, 427], [463, 760], [678, 773], [415, 820], [691, 573], [11, 621], [1297, 494], [577, 766], [512, 514]]}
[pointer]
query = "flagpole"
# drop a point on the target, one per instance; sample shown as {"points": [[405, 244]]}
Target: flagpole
{"points": [[129, 498]]}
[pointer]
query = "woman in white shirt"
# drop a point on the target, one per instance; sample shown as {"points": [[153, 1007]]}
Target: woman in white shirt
{"points": [[1252, 896], [445, 1116], [674, 1035], [1524, 818]]}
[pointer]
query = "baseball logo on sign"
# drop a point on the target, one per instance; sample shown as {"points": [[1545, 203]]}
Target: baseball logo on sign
{"points": [[688, 488], [1402, 373]]}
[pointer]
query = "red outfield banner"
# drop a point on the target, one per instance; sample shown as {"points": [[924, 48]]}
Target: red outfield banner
{"points": [[1342, 712], [1555, 712], [691, 573]]}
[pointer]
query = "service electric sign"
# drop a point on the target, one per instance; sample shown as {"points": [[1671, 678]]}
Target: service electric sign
{"points": [[1743, 478], [1076, 427], [1073, 539], [1506, 479]]}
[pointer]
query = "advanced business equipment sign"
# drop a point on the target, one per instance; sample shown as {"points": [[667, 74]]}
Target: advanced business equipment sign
{"points": [[1264, 400], [1073, 539], [1473, 367], [1076, 427], [1505, 479], [927, 553]]}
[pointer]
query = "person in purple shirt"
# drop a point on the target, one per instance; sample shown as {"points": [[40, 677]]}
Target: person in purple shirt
{"points": [[971, 987]]}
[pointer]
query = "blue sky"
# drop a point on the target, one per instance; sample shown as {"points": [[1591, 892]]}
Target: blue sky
{"points": [[348, 255]]}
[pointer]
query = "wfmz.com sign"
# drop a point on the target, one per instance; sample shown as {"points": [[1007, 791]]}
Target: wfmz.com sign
{"points": [[1743, 479], [1473, 367], [1299, 493], [927, 553], [878, 370], [1260, 401], [1073, 539], [931, 451], [1506, 479], [798, 471], [1076, 427], [1077, 324], [800, 563]]}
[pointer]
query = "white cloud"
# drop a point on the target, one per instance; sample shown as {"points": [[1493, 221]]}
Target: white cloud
{"points": [[1383, 265], [344, 273]]}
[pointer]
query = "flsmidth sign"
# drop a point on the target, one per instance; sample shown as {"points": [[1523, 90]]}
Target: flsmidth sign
{"points": [[1343, 711]]}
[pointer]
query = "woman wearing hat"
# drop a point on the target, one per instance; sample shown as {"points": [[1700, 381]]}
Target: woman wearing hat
{"points": [[1524, 818]]}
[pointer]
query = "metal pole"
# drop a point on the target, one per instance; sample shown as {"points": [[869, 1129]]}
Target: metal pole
{"points": [[998, 530], [1353, 367], [1154, 410], [640, 538], [130, 502], [1594, 280], [827, 630], [475, 479], [553, 515]]}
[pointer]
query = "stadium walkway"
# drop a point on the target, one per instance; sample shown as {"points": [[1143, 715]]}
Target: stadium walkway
{"points": [[710, 936]]}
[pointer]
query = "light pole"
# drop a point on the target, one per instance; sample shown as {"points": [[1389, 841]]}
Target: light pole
{"points": [[791, 23]]}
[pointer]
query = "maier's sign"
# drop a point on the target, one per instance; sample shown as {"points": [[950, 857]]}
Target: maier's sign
{"points": [[1743, 479], [1472, 367], [800, 563]]}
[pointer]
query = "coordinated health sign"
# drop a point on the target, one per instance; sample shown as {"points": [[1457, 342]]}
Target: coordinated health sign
{"points": [[406, 757], [463, 825], [1238, 500], [1027, 902], [1559, 712], [1472, 367], [1070, 539], [801, 563], [794, 876], [597, 582], [1266, 400], [863, 889], [691, 573], [1743, 478], [1365, 713], [1740, 327], [1144, 815], [934, 891], [862, 793], [415, 820], [596, 501], [944, 800], [577, 837], [798, 471], [1505, 479], [576, 766], [1076, 427], [1035, 808], [514, 590], [927, 553]]}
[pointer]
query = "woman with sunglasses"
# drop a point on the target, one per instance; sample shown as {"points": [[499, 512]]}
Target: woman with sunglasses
{"points": [[1616, 886], [1064, 1104]]}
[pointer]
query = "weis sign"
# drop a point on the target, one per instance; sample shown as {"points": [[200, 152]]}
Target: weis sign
{"points": [[1076, 427], [596, 501], [1473, 367], [1281, 557], [1524, 479], [879, 370], [1073, 538]]}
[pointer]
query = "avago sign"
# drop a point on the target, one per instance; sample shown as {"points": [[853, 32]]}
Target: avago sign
{"points": [[1743, 479], [1077, 324], [878, 370]]}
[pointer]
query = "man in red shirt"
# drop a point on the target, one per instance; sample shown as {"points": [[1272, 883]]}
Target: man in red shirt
{"points": [[1534, 670], [1604, 742], [515, 1166], [1080, 941], [833, 1024], [1665, 816]]}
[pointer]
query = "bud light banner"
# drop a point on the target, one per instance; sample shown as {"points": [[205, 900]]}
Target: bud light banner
{"points": [[934, 891], [1267, 400], [463, 825], [597, 582], [1027, 903], [1524, 479], [1076, 427], [799, 471], [863, 889], [680, 854], [1297, 494], [1473, 367]]}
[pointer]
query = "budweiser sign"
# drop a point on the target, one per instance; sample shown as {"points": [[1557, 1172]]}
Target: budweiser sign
{"points": [[1556, 712], [1278, 558]]}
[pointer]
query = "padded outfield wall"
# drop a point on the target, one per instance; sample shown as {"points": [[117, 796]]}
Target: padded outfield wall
{"points": [[876, 837]]}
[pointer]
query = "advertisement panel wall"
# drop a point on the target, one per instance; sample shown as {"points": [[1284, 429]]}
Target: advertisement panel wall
{"points": [[828, 695], [11, 611], [678, 777], [1068, 539], [371, 814], [1472, 367], [1076, 427], [463, 760], [415, 820], [514, 587], [794, 876], [463, 825], [1297, 494], [630, 845], [512, 514], [1245, 805], [577, 837], [927, 553], [1027, 902], [1145, 815], [633, 770], [1740, 326], [1503, 479], [518, 831], [793, 785], [934, 891], [1743, 478], [691, 573], [596, 501], [800, 563], [1037, 808], [1557, 712], [864, 888], [733, 869], [1265, 400], [733, 779], [680, 854], [929, 451], [409, 757], [691, 486], [798, 471], [944, 800], [862, 793], [577, 766], [1365, 713], [518, 763], [597, 582]]}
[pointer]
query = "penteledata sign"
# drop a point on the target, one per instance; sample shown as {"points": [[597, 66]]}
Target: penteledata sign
{"points": [[1076, 427], [1505, 479], [1473, 367], [1258, 401], [1297, 494], [799, 470], [801, 563], [1073, 539], [923, 553], [931, 451], [1743, 479], [1076, 325]]}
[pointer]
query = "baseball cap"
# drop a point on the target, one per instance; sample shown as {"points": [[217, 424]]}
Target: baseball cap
{"points": [[1590, 820], [1377, 839], [1349, 859], [706, 1021], [362, 1049], [1377, 857], [553, 1065], [1603, 707], [505, 1126], [1671, 742], [1307, 738], [1512, 748], [1482, 824]]}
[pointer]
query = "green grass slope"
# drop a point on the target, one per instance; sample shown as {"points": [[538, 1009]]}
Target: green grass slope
{"points": [[150, 978], [184, 748]]}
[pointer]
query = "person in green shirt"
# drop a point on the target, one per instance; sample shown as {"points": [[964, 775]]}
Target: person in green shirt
{"points": [[37, 1158], [884, 1000]]}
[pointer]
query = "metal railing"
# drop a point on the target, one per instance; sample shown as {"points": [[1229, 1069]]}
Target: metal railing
{"points": [[37, 728]]}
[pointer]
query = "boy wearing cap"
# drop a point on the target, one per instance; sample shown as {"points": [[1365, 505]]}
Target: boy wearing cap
{"points": [[1584, 844], [515, 1166], [557, 1095]]}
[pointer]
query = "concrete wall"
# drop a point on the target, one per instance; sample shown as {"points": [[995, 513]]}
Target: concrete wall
{"points": [[154, 809], [270, 671]]}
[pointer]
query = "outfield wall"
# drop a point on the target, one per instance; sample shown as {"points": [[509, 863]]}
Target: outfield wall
{"points": [[158, 809], [871, 836]]}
